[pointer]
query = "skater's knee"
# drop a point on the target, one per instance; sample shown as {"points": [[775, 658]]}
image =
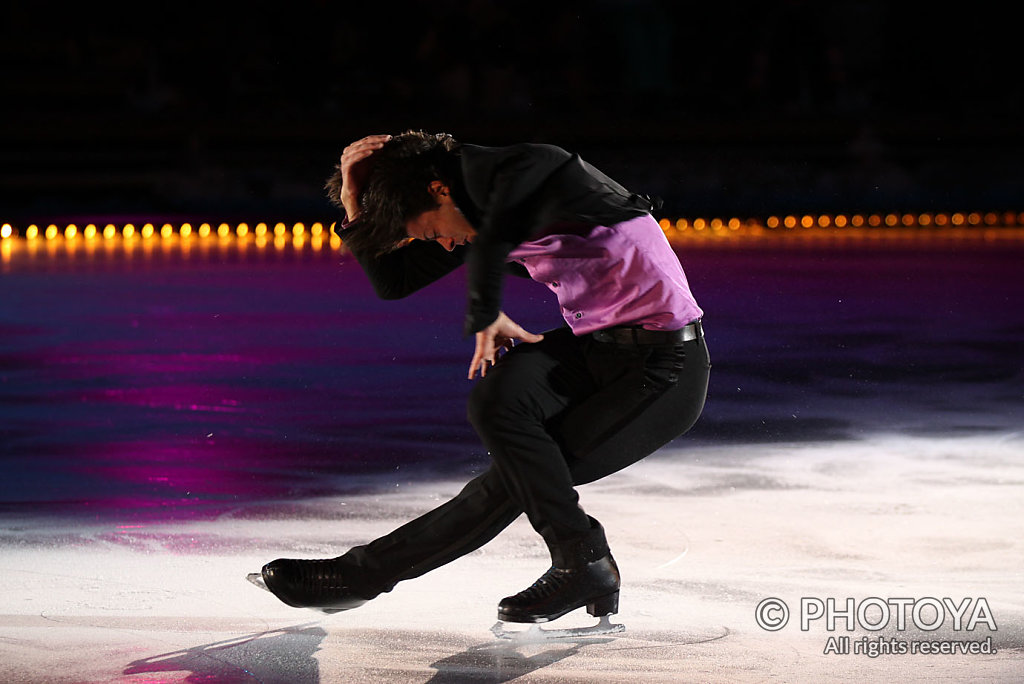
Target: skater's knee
{"points": [[490, 403], [483, 403]]}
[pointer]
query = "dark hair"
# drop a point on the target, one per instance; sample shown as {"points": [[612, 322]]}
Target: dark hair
{"points": [[396, 188]]}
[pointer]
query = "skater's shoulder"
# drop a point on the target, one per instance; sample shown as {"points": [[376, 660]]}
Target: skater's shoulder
{"points": [[519, 153]]}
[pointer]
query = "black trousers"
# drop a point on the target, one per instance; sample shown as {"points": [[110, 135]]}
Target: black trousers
{"points": [[558, 413]]}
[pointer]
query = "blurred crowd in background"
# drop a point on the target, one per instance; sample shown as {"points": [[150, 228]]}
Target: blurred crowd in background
{"points": [[739, 108]]}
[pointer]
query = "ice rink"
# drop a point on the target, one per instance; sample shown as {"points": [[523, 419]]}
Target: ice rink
{"points": [[170, 424]]}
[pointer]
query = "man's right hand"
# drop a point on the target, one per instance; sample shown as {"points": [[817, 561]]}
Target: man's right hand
{"points": [[354, 170], [501, 334]]}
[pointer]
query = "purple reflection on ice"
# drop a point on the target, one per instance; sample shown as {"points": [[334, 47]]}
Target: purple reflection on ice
{"points": [[181, 387]]}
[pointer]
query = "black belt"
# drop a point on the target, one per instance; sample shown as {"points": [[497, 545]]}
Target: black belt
{"points": [[637, 335]]}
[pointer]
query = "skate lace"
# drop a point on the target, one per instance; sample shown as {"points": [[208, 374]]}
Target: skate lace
{"points": [[549, 583]]}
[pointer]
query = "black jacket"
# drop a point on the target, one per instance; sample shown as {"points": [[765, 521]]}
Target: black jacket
{"points": [[509, 195]]}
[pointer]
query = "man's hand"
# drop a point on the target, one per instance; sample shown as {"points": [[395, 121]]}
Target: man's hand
{"points": [[501, 334], [354, 169]]}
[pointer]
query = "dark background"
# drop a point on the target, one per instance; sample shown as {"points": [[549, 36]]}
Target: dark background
{"points": [[160, 381], [738, 108]]}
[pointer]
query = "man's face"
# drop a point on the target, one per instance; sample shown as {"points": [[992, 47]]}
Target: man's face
{"points": [[445, 225]]}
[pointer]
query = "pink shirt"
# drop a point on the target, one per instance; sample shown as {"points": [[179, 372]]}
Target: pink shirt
{"points": [[624, 274]]}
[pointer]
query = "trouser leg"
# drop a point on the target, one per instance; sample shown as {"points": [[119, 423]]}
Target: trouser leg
{"points": [[646, 397], [571, 410], [513, 410], [555, 414], [486, 505], [459, 526], [622, 424]]}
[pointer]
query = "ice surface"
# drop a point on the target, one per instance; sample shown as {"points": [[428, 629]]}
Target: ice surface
{"points": [[167, 428], [701, 536]]}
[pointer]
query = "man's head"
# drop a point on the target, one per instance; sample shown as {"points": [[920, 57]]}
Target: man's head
{"points": [[407, 193], [444, 223]]}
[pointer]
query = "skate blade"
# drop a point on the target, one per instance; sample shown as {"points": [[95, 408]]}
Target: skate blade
{"points": [[537, 633], [257, 579]]}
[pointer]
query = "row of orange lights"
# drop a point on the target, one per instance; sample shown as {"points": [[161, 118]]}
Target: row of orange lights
{"points": [[317, 229], [166, 230], [925, 220]]}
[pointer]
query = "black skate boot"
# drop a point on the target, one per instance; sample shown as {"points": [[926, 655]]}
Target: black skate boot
{"points": [[583, 573], [563, 590], [318, 584]]}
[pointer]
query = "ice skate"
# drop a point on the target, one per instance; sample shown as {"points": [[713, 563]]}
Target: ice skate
{"points": [[257, 579], [560, 591], [314, 584], [537, 633]]}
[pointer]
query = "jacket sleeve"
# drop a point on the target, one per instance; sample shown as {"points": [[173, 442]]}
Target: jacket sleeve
{"points": [[506, 185], [409, 268]]}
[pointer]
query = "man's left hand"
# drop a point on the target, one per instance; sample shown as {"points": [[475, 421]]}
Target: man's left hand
{"points": [[501, 334]]}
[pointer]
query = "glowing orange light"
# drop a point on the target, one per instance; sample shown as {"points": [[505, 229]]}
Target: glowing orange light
{"points": [[318, 235]]}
